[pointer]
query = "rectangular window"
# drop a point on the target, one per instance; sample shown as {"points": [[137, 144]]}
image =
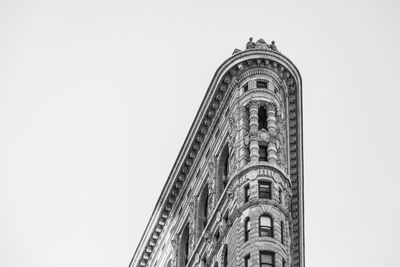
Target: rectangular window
{"points": [[283, 263], [246, 193], [267, 259], [246, 229], [262, 84], [247, 261], [282, 232], [264, 190], [280, 196], [263, 153]]}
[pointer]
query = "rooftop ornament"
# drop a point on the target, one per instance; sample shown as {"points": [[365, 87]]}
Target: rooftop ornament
{"points": [[260, 44]]}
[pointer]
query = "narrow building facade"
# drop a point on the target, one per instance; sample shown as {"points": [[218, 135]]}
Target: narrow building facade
{"points": [[234, 196]]}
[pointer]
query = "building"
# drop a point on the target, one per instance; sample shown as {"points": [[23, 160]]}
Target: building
{"points": [[234, 196]]}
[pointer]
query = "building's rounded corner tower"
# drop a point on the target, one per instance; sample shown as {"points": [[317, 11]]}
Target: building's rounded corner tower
{"points": [[235, 195]]}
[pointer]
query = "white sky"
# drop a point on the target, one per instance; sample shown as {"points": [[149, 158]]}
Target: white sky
{"points": [[96, 98]]}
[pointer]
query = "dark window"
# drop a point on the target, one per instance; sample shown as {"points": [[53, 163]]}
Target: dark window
{"points": [[205, 209], [223, 169], [226, 167], [265, 226], [202, 210], [263, 153], [216, 264], [262, 118], [282, 231], [283, 263], [247, 260], [246, 193], [262, 84], [226, 256], [216, 235], [246, 229], [267, 259], [184, 247], [264, 189], [245, 88], [280, 196]]}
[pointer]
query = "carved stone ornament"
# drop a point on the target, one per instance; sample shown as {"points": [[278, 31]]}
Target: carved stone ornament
{"points": [[264, 135], [232, 124], [219, 216], [247, 140], [253, 132], [211, 167], [207, 235], [173, 261], [174, 241]]}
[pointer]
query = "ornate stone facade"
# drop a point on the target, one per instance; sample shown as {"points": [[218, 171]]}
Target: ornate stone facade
{"points": [[235, 195]]}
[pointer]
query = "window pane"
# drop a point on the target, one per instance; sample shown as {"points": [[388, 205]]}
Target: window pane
{"points": [[265, 221]]}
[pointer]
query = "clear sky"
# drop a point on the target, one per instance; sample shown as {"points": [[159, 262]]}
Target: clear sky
{"points": [[96, 98]]}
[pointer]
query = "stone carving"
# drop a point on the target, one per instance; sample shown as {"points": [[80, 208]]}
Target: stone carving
{"points": [[211, 185], [219, 216], [192, 223], [232, 125], [250, 44], [261, 44], [174, 243], [273, 46], [281, 144]]}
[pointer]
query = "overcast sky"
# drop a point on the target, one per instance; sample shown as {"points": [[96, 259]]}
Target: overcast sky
{"points": [[96, 98]]}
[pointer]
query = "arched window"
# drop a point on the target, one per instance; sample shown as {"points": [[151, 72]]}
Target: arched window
{"points": [[246, 193], [247, 260], [262, 118], [282, 232], [203, 210], [223, 170], [265, 226], [184, 247], [246, 229], [225, 255]]}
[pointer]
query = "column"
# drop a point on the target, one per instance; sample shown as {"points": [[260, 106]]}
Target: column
{"points": [[254, 148], [243, 156], [271, 125]]}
